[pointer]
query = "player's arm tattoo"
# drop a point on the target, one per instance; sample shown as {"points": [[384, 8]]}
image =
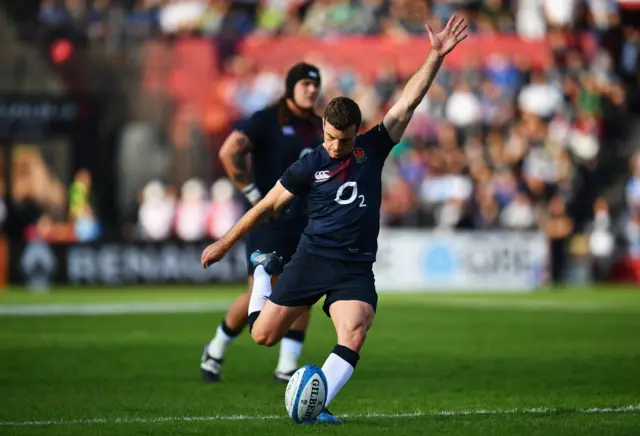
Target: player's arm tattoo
{"points": [[239, 160], [233, 156]]}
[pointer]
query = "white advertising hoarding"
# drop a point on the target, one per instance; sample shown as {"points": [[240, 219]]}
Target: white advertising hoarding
{"points": [[410, 260]]}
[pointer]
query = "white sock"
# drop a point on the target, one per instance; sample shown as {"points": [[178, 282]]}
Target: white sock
{"points": [[261, 289], [290, 351], [219, 343], [337, 371]]}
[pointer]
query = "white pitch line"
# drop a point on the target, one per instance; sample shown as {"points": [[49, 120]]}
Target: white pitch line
{"points": [[531, 305], [539, 410], [93, 309]]}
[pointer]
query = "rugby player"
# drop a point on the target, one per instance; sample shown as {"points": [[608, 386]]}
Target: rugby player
{"points": [[272, 139], [342, 183]]}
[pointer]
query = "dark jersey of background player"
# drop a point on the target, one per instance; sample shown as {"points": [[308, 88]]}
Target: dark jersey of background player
{"points": [[276, 144], [343, 197]]}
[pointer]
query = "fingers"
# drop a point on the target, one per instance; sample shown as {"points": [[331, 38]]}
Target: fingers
{"points": [[429, 29], [451, 22], [432, 35], [460, 32], [455, 24], [204, 260], [461, 37]]}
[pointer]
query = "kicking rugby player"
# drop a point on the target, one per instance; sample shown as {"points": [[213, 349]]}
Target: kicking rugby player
{"points": [[342, 183]]}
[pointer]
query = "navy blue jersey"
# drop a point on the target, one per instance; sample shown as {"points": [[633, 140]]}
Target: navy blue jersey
{"points": [[277, 146], [343, 197]]}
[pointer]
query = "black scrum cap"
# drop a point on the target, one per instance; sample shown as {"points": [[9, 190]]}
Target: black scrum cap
{"points": [[299, 72]]}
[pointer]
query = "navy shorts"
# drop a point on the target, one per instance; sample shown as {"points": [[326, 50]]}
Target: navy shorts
{"points": [[268, 240], [309, 277]]}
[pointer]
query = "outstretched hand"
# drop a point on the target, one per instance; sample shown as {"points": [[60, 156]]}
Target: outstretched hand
{"points": [[212, 254], [453, 33]]}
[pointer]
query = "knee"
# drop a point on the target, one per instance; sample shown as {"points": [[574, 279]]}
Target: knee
{"points": [[262, 337], [352, 335]]}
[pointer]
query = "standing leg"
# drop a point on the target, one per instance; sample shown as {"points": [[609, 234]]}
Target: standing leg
{"points": [[352, 319], [291, 348]]}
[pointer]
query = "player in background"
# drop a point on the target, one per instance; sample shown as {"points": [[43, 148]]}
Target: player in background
{"points": [[272, 139], [342, 183]]}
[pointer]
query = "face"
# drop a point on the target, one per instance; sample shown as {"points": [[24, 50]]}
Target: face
{"points": [[339, 143], [305, 93]]}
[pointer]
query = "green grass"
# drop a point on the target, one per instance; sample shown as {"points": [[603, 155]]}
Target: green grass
{"points": [[453, 352]]}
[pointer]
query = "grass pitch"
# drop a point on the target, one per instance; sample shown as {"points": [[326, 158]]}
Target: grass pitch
{"points": [[549, 363]]}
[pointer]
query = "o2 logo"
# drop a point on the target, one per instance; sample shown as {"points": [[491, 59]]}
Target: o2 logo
{"points": [[340, 195], [305, 151]]}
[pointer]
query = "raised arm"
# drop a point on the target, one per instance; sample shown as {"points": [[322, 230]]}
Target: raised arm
{"points": [[274, 201], [398, 117]]}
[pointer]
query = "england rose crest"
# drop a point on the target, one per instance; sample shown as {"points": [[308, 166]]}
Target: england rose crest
{"points": [[358, 153]]}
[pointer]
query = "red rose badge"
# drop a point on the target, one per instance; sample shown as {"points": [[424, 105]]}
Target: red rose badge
{"points": [[358, 153]]}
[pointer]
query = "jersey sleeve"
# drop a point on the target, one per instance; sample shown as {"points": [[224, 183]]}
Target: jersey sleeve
{"points": [[255, 127], [297, 178], [381, 142]]}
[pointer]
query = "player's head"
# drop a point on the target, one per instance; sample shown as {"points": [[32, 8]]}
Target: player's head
{"points": [[303, 85], [341, 122]]}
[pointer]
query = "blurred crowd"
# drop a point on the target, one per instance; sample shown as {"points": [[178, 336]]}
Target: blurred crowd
{"points": [[324, 18], [42, 205], [193, 215], [499, 144]]}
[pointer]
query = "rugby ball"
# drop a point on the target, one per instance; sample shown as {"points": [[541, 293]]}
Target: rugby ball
{"points": [[306, 394]]}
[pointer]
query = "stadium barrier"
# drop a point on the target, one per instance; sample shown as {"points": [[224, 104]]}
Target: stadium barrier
{"points": [[39, 265], [408, 260]]}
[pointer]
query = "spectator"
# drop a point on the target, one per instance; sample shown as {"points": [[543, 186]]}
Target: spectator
{"points": [[601, 241], [191, 211], [632, 234], [530, 19], [560, 14], [540, 97], [81, 212], [558, 227], [633, 185], [463, 108], [519, 213], [156, 212], [178, 16], [223, 211]]}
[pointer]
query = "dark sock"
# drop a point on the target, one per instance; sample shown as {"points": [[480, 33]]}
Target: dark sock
{"points": [[227, 331], [252, 318], [347, 354], [296, 335]]}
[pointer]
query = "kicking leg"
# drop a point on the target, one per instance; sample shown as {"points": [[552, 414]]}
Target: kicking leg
{"points": [[273, 322], [291, 348], [268, 322]]}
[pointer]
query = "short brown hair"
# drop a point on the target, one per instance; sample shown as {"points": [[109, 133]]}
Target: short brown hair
{"points": [[342, 112]]}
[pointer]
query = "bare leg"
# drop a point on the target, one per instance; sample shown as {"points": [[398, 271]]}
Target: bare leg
{"points": [[274, 321], [352, 319]]}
